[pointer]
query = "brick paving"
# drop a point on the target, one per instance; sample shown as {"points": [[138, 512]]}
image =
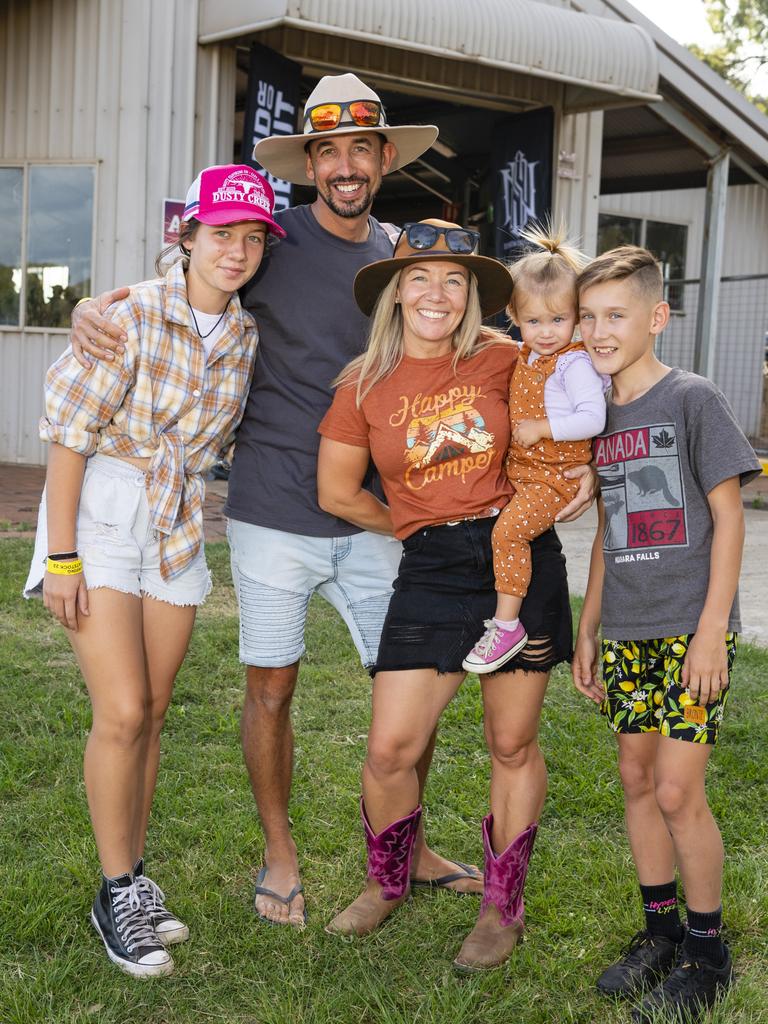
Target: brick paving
{"points": [[21, 487]]}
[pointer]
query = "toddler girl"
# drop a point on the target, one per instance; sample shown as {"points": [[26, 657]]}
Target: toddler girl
{"points": [[556, 403]]}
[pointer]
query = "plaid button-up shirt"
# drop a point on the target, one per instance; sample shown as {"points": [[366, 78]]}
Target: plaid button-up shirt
{"points": [[160, 400]]}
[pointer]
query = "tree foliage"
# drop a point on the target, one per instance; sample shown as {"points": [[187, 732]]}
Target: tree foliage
{"points": [[742, 47]]}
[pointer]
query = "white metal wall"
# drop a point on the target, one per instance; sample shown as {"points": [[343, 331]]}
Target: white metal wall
{"points": [[743, 319], [109, 82], [578, 153]]}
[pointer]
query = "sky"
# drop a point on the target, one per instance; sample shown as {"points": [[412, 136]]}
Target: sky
{"points": [[684, 20]]}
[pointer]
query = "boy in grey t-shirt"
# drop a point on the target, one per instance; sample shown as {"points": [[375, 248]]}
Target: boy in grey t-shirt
{"points": [[663, 578]]}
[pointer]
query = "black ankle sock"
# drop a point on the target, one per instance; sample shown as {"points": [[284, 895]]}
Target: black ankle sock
{"points": [[661, 914], [703, 937]]}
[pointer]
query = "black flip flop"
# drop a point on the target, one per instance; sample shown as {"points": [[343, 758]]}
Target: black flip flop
{"points": [[261, 890], [444, 880]]}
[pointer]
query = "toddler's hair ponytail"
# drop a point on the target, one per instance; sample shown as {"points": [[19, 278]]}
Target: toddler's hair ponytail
{"points": [[552, 264]]}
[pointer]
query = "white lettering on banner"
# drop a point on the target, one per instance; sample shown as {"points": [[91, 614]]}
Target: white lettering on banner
{"points": [[266, 94], [275, 116], [262, 125], [282, 107], [280, 188], [519, 191]]}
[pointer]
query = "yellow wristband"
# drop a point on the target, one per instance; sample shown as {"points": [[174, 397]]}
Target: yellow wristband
{"points": [[85, 298], [64, 568]]}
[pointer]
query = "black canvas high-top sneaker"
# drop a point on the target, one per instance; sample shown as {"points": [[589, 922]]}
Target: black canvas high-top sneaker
{"points": [[128, 937], [168, 927]]}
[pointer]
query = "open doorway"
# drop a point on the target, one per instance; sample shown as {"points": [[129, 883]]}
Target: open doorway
{"points": [[451, 181]]}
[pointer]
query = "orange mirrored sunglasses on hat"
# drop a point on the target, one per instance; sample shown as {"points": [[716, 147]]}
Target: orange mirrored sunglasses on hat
{"points": [[364, 113]]}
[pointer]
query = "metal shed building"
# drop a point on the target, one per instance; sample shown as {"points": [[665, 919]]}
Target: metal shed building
{"points": [[109, 106]]}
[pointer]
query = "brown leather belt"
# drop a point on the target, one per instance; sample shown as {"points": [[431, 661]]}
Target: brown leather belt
{"points": [[487, 514]]}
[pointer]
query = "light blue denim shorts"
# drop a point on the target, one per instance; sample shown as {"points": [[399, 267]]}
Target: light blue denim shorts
{"points": [[276, 573], [116, 542]]}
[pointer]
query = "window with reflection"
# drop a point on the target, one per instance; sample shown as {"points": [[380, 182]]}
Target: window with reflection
{"points": [[11, 208], [613, 231], [666, 241], [51, 207]]}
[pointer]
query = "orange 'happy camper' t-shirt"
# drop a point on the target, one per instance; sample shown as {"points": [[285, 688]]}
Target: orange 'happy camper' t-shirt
{"points": [[438, 437]]}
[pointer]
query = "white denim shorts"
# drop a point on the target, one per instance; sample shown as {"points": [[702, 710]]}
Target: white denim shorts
{"points": [[276, 573], [116, 542]]}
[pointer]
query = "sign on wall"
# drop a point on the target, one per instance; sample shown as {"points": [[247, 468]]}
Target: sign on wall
{"points": [[173, 210], [521, 162], [271, 108]]}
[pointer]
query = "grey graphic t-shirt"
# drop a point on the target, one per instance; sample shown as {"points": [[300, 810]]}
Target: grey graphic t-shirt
{"points": [[657, 459]]}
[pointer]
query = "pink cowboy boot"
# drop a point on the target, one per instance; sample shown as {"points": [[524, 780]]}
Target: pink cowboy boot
{"points": [[499, 926], [389, 869]]}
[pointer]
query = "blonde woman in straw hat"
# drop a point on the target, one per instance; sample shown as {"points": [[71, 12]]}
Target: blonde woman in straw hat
{"points": [[284, 546], [428, 402]]}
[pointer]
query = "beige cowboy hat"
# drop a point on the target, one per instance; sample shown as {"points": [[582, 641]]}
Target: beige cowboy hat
{"points": [[285, 155], [494, 282]]}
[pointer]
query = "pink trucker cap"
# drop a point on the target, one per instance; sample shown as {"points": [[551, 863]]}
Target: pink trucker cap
{"points": [[227, 193]]}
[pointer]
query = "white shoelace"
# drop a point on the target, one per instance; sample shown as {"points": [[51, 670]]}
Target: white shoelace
{"points": [[487, 641], [151, 892], [132, 926]]}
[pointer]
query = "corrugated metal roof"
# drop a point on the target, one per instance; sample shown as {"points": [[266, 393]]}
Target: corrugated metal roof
{"points": [[517, 35]]}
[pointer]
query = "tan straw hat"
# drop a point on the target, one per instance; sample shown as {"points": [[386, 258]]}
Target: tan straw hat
{"points": [[494, 282], [285, 155]]}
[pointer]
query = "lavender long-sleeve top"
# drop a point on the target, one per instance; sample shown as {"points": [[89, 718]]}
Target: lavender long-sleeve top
{"points": [[574, 398]]}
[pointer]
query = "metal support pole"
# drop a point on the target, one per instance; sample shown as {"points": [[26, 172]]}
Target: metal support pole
{"points": [[213, 107], [711, 265]]}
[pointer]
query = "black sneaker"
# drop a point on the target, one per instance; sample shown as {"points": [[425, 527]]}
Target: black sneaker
{"points": [[644, 961], [128, 937], [686, 993], [168, 927]]}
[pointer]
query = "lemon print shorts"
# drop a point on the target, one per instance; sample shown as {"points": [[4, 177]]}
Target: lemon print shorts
{"points": [[643, 691]]}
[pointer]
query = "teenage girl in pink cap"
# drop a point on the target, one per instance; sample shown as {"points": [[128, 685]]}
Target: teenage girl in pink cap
{"points": [[119, 554]]}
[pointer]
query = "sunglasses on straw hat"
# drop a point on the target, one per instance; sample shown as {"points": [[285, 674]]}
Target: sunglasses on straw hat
{"points": [[421, 236], [436, 240], [324, 117]]}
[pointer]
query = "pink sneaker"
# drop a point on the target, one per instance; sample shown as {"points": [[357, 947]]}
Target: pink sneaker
{"points": [[495, 647]]}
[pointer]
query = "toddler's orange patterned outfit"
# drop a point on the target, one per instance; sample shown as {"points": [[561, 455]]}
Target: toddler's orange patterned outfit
{"points": [[541, 490]]}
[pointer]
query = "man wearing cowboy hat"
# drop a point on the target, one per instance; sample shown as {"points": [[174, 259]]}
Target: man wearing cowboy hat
{"points": [[284, 547], [287, 547]]}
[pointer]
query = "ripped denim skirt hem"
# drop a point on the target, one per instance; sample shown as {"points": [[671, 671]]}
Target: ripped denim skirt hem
{"points": [[445, 591]]}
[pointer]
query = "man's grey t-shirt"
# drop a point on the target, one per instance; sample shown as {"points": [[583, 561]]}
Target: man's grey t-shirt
{"points": [[657, 459], [309, 329]]}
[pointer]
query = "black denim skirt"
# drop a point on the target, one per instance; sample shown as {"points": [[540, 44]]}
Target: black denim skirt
{"points": [[444, 591]]}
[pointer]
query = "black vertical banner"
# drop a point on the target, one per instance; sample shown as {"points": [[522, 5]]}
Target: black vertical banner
{"points": [[521, 164], [271, 109]]}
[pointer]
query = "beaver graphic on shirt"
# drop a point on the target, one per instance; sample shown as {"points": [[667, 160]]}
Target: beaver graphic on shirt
{"points": [[652, 480]]}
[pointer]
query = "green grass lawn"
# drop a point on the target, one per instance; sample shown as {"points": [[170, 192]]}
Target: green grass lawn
{"points": [[205, 846]]}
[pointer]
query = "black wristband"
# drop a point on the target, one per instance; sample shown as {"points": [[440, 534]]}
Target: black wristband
{"points": [[62, 556]]}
